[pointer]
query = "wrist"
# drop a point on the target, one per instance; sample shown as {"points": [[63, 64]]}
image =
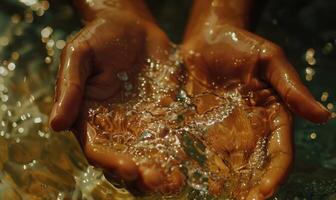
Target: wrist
{"points": [[208, 14], [233, 12], [92, 9]]}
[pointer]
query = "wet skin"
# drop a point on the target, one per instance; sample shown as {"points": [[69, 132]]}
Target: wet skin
{"points": [[111, 41], [251, 148], [219, 51], [217, 55], [255, 141], [110, 126]]}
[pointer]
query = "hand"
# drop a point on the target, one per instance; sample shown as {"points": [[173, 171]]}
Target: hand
{"points": [[222, 56], [252, 144], [90, 62], [222, 53], [112, 42], [134, 127]]}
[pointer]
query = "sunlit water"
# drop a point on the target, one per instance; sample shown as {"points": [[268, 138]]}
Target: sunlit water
{"points": [[155, 121], [36, 163]]}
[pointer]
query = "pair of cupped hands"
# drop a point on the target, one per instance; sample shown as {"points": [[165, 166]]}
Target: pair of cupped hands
{"points": [[213, 55]]}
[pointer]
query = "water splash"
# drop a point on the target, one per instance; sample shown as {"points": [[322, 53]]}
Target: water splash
{"points": [[158, 123]]}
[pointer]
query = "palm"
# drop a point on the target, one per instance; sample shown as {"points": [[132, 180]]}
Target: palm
{"points": [[228, 54], [253, 142], [111, 131], [228, 57], [115, 47], [112, 44], [91, 61]]}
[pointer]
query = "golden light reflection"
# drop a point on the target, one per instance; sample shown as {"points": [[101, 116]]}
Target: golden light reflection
{"points": [[310, 72], [11, 66], [46, 32], [15, 19], [50, 44], [60, 44], [324, 96], [4, 41], [47, 60], [330, 106], [310, 56], [38, 6], [333, 115], [28, 17], [15, 55]]}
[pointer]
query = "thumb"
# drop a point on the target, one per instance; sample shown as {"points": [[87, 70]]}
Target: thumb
{"points": [[283, 77], [73, 72]]}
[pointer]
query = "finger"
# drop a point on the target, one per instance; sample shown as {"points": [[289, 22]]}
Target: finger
{"points": [[114, 162], [283, 77], [255, 195], [173, 183], [73, 72], [279, 152], [155, 179], [121, 164], [150, 178]]}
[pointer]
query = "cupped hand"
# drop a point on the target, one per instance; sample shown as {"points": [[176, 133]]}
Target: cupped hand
{"points": [[113, 42], [219, 54], [223, 56], [90, 62], [252, 144]]}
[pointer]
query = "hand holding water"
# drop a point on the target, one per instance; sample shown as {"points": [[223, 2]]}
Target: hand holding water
{"points": [[117, 36]]}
